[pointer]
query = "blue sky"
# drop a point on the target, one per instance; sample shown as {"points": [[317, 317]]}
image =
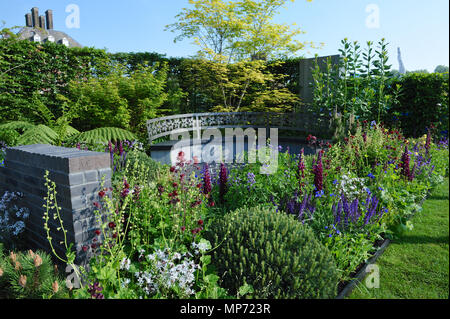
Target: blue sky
{"points": [[418, 27]]}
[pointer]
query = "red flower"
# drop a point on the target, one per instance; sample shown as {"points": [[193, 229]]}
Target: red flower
{"points": [[172, 169], [85, 248], [183, 228], [175, 185], [96, 204], [112, 225], [200, 222], [98, 232], [114, 235], [101, 194]]}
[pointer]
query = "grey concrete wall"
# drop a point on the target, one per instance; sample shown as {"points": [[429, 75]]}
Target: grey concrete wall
{"points": [[77, 174], [306, 79]]}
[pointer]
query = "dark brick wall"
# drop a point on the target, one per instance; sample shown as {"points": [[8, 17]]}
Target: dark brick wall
{"points": [[78, 176]]}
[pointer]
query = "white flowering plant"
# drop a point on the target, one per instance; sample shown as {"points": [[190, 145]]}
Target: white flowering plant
{"points": [[12, 219], [172, 273]]}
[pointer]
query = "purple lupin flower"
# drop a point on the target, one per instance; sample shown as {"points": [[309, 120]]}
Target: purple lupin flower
{"points": [[303, 207], [405, 163], [318, 173], [301, 166], [120, 148], [223, 180], [206, 180]]}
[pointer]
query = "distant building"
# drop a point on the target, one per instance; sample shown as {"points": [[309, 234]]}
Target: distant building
{"points": [[40, 29]]}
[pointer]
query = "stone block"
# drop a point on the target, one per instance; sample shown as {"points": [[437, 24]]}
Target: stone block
{"points": [[78, 177]]}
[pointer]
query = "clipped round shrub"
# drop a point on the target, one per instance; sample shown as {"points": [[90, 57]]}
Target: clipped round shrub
{"points": [[274, 253]]}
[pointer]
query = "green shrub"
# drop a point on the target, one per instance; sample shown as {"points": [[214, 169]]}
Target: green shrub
{"points": [[274, 253], [29, 275], [423, 101]]}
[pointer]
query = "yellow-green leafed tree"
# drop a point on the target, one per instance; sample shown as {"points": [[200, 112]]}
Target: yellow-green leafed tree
{"points": [[237, 38]]}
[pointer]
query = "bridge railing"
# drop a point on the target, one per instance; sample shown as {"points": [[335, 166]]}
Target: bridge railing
{"points": [[302, 123]]}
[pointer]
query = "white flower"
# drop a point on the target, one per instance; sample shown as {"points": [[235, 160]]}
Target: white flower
{"points": [[125, 264]]}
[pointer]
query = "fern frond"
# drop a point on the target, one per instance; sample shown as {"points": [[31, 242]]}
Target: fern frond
{"points": [[16, 125], [39, 134], [43, 111], [71, 131], [103, 135]]}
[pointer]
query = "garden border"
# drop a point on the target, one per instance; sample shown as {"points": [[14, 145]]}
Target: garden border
{"points": [[348, 288]]}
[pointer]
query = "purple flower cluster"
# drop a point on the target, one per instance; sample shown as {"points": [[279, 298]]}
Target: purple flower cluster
{"points": [[206, 180], [251, 179], [404, 164], [302, 209], [346, 213], [318, 173], [301, 165], [223, 180], [96, 291]]}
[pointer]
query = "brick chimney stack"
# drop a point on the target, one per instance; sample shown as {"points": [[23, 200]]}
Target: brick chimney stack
{"points": [[28, 20], [35, 17], [49, 18], [42, 22]]}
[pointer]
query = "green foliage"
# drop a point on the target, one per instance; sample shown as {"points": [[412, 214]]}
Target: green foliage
{"points": [[103, 135], [423, 102], [27, 67], [236, 31], [120, 100], [357, 85], [153, 167], [30, 275], [274, 253]]}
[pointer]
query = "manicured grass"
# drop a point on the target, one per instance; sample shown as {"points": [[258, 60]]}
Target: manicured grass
{"points": [[416, 265]]}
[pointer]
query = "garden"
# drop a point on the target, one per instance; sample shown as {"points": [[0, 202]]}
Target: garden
{"points": [[197, 230]]}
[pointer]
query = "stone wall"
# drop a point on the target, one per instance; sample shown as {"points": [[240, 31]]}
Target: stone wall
{"points": [[78, 175]]}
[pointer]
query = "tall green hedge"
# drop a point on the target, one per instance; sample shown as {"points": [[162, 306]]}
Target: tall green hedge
{"points": [[423, 102], [29, 69]]}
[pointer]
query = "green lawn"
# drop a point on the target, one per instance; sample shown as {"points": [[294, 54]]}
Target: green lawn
{"points": [[416, 266]]}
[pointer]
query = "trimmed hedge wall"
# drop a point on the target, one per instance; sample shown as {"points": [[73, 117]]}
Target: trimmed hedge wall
{"points": [[30, 71], [423, 102]]}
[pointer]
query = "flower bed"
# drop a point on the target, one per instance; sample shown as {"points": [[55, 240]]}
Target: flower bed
{"points": [[190, 231]]}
